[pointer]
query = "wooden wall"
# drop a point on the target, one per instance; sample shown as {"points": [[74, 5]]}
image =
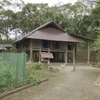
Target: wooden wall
{"points": [[38, 44]]}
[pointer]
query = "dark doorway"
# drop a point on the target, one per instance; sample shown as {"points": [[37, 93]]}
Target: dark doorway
{"points": [[58, 57], [35, 56]]}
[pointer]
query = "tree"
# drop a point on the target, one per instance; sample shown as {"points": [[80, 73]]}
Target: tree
{"points": [[31, 17], [6, 23], [96, 23], [7, 17], [76, 18]]}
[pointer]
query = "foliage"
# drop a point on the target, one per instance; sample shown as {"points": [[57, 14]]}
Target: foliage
{"points": [[96, 21], [14, 50], [35, 76], [8, 17], [96, 47], [12, 70], [4, 41], [96, 65], [6, 22], [81, 18], [6, 74], [73, 18], [32, 79], [36, 66]]}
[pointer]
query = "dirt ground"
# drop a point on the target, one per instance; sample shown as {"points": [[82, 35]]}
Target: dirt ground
{"points": [[67, 85]]}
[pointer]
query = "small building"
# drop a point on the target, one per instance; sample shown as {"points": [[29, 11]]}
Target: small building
{"points": [[50, 42], [5, 47]]}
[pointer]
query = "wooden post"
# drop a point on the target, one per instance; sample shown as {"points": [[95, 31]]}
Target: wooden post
{"points": [[22, 46], [74, 53], [88, 53], [39, 56], [48, 59], [66, 54], [31, 51]]}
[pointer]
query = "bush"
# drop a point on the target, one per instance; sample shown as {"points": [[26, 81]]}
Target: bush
{"points": [[96, 65], [32, 79], [6, 74], [36, 66]]}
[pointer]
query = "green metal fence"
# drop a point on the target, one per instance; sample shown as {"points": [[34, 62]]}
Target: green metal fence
{"points": [[12, 69]]}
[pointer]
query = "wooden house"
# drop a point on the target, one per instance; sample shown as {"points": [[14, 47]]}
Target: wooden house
{"points": [[5, 47], [50, 42]]}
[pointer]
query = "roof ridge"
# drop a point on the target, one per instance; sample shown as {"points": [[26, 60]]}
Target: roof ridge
{"points": [[44, 26], [28, 34]]}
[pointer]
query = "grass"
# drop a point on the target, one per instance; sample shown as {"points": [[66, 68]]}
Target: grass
{"points": [[34, 74], [40, 73]]}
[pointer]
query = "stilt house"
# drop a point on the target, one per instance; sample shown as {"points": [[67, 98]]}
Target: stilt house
{"points": [[51, 43]]}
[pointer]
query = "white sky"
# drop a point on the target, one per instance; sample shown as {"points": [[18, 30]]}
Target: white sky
{"points": [[50, 2]]}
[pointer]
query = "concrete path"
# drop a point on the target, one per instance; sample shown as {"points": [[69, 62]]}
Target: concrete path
{"points": [[68, 85]]}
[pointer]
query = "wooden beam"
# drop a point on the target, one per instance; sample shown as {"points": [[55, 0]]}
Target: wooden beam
{"points": [[75, 51], [66, 54], [74, 54], [88, 53], [39, 56], [46, 50], [48, 59], [31, 54], [22, 45]]}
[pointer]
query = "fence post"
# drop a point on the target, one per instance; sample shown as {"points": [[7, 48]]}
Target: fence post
{"points": [[16, 56], [24, 65]]}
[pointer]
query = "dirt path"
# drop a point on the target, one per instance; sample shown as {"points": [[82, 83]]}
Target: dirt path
{"points": [[68, 85]]}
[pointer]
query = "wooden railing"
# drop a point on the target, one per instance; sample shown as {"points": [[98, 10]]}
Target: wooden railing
{"points": [[45, 49], [48, 49]]}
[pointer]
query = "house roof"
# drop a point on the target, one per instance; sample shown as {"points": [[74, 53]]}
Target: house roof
{"points": [[82, 37], [5, 45], [53, 32]]}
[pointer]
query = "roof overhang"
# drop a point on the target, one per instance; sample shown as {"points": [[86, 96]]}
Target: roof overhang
{"points": [[53, 32]]}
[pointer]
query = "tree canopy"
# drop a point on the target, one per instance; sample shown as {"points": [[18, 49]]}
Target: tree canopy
{"points": [[81, 18]]}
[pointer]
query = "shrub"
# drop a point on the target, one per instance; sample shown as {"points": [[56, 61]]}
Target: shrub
{"points": [[32, 79], [36, 66], [6, 74]]}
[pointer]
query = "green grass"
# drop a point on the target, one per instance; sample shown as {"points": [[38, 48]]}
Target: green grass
{"points": [[33, 75], [40, 73]]}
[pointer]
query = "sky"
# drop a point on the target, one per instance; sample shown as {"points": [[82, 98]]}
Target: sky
{"points": [[50, 2]]}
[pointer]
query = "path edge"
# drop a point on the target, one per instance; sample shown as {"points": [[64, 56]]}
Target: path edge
{"points": [[19, 89]]}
